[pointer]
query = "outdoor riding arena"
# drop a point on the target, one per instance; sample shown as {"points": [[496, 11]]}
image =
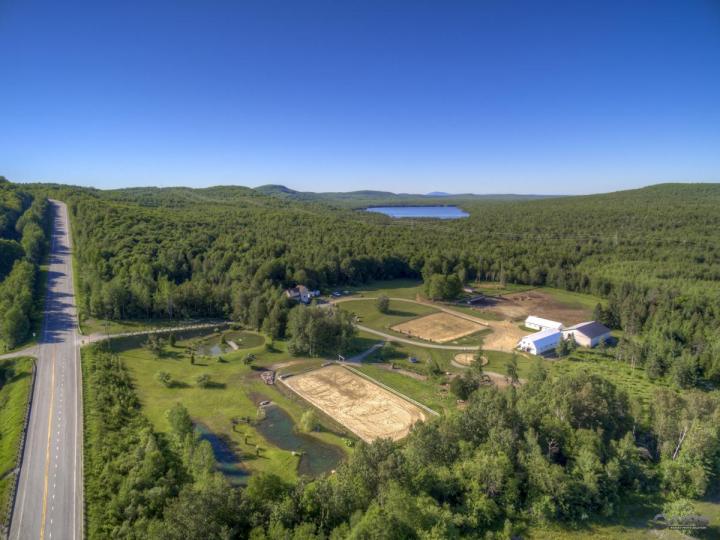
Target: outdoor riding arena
{"points": [[439, 327], [363, 407]]}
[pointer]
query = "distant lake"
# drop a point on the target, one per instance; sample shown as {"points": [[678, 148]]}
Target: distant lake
{"points": [[437, 212]]}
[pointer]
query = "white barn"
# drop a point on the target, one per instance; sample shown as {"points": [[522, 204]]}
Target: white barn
{"points": [[538, 323], [540, 342], [587, 334]]}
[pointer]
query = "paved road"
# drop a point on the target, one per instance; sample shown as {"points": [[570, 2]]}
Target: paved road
{"points": [[49, 503]]}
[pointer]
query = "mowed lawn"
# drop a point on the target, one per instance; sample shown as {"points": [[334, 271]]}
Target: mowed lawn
{"points": [[234, 390], [13, 404], [428, 392], [399, 312], [394, 288]]}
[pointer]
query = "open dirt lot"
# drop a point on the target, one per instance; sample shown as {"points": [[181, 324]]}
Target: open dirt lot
{"points": [[520, 305], [505, 336], [364, 408], [439, 327]]}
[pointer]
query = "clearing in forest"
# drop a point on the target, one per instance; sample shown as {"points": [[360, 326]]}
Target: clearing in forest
{"points": [[439, 327], [562, 306], [361, 406]]}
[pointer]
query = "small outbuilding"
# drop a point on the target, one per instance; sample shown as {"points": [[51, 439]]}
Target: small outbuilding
{"points": [[540, 342], [587, 334], [538, 323]]}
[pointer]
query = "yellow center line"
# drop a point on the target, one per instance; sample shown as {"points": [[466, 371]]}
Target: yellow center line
{"points": [[47, 453]]}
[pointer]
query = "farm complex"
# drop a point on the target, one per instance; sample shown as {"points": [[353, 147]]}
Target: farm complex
{"points": [[366, 409]]}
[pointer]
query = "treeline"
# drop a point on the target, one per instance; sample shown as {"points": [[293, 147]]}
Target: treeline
{"points": [[552, 451], [654, 253], [24, 233]]}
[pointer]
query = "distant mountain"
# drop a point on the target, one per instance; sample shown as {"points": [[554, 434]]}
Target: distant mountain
{"points": [[275, 189], [367, 197]]}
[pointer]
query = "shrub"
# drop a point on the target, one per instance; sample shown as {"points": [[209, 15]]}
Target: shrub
{"points": [[382, 303], [164, 378]]}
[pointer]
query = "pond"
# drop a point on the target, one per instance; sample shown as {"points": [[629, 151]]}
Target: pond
{"points": [[213, 345], [436, 212], [228, 463], [317, 458]]}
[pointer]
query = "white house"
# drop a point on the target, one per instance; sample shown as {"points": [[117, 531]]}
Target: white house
{"points": [[540, 342], [301, 293], [538, 323], [587, 334]]}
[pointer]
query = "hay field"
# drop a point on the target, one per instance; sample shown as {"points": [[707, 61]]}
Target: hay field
{"points": [[364, 408], [439, 327]]}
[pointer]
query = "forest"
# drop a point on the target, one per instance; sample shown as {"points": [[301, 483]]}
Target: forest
{"points": [[553, 451], [556, 450], [653, 254], [24, 234]]}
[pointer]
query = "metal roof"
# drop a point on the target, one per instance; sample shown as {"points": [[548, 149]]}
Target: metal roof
{"points": [[543, 322], [591, 329], [539, 336]]}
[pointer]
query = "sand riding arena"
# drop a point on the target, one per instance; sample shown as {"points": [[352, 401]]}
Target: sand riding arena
{"points": [[361, 406], [439, 327]]}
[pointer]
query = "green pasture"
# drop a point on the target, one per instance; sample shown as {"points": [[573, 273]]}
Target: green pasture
{"points": [[233, 392]]}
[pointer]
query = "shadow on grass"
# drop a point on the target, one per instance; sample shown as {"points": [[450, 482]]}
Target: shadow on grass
{"points": [[399, 313]]}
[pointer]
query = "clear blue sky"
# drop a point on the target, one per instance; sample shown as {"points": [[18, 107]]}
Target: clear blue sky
{"points": [[477, 96]]}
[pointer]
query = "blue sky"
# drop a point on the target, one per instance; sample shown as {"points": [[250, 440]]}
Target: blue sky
{"points": [[477, 96]]}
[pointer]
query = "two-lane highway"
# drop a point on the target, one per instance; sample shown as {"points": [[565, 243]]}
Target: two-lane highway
{"points": [[49, 502]]}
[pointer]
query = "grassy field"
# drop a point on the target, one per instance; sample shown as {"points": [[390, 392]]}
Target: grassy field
{"points": [[102, 326], [399, 312], [494, 288], [234, 390], [13, 404], [395, 288], [429, 392], [573, 299]]}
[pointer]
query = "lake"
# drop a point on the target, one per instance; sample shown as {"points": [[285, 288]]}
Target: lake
{"points": [[436, 212]]}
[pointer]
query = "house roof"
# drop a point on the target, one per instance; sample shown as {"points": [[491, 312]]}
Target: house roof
{"points": [[591, 329], [543, 322], [539, 336]]}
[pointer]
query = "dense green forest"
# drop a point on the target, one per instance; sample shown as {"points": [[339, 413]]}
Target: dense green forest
{"points": [[653, 253], [24, 229], [555, 450]]}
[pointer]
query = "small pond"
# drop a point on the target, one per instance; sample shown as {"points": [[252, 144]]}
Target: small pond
{"points": [[213, 345], [228, 462], [436, 212], [318, 457]]}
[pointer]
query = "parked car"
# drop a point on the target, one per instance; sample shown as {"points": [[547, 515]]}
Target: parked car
{"points": [[413, 360]]}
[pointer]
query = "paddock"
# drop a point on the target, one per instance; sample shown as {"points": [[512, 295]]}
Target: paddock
{"points": [[439, 327], [366, 409]]}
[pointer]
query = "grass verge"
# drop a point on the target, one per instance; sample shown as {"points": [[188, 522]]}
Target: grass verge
{"points": [[14, 394]]}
